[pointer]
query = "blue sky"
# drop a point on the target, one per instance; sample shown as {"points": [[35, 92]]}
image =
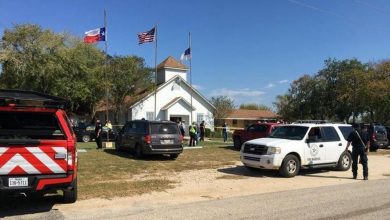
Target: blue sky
{"points": [[250, 50]]}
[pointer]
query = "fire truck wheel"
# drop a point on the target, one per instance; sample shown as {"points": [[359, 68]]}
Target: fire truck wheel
{"points": [[70, 195]]}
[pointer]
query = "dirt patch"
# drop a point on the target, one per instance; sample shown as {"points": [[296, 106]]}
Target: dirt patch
{"points": [[210, 184]]}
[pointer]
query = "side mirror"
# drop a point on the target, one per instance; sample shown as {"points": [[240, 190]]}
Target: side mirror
{"points": [[308, 140]]}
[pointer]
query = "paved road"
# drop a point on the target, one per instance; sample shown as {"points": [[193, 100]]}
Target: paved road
{"points": [[360, 200]]}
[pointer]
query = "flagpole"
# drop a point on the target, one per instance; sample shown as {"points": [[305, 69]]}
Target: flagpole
{"points": [[105, 66], [189, 42], [155, 75]]}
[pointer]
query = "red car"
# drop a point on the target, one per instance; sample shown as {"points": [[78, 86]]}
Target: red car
{"points": [[37, 145], [254, 131]]}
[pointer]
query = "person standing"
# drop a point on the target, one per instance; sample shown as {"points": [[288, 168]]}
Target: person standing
{"points": [[224, 132], [360, 141], [108, 124], [98, 134], [181, 127], [192, 132], [202, 131]]}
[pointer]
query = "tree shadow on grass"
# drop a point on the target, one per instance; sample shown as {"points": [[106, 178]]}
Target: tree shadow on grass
{"points": [[253, 172], [230, 147], [249, 172], [128, 154], [18, 205]]}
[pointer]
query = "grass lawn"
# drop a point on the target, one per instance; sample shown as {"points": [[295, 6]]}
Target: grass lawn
{"points": [[108, 173]]}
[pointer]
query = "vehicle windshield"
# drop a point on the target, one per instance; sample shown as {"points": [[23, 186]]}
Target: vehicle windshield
{"points": [[346, 130], [289, 132], [29, 125], [161, 128], [380, 130]]}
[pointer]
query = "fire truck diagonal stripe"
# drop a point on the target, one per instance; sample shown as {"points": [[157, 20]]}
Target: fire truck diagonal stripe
{"points": [[30, 158], [18, 160], [2, 150], [42, 156]]}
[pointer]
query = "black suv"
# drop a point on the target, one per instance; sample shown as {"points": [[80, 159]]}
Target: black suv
{"points": [[378, 137], [388, 135], [145, 137]]}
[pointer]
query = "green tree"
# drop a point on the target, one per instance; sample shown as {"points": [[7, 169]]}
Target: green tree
{"points": [[128, 77], [56, 64], [337, 92], [344, 88], [378, 93], [254, 106], [223, 106]]}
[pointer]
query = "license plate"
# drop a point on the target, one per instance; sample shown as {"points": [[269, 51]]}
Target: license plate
{"points": [[19, 181], [166, 141]]}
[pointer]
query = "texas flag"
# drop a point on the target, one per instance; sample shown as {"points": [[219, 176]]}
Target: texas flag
{"points": [[95, 35]]}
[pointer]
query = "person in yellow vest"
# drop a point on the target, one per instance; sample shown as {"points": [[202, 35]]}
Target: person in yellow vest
{"points": [[108, 124], [192, 132]]}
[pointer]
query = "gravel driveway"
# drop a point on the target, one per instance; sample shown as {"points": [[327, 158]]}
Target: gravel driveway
{"points": [[206, 185]]}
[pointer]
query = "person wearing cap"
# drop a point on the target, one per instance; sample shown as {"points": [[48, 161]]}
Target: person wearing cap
{"points": [[360, 141]]}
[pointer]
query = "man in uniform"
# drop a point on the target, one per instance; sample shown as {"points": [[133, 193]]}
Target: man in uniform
{"points": [[98, 132], [360, 145]]}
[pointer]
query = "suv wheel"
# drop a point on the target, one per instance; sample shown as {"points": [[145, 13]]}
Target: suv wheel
{"points": [[70, 195], [290, 166], [138, 152], [86, 138], [173, 156], [344, 162], [237, 143], [118, 146]]}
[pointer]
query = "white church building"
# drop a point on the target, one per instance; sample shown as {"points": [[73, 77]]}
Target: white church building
{"points": [[176, 100]]}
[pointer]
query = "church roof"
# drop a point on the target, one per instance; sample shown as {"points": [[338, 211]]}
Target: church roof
{"points": [[251, 114], [167, 83], [176, 100], [171, 62]]}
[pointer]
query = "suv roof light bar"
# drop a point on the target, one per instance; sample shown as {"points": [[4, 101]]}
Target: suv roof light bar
{"points": [[22, 98], [312, 122]]}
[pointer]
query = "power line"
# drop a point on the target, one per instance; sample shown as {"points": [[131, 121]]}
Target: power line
{"points": [[303, 4], [375, 8], [320, 10]]}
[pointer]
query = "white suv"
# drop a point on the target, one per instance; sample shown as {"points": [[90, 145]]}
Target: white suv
{"points": [[292, 147]]}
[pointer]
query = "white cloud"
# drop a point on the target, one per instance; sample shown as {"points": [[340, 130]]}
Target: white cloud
{"points": [[283, 81], [198, 87], [270, 85]]}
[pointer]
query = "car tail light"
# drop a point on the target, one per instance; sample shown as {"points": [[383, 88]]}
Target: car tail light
{"points": [[148, 139], [71, 148], [373, 136]]}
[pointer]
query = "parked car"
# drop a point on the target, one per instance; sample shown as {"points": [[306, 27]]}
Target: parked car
{"points": [[254, 131], [293, 147], [378, 137], [37, 145], [388, 135], [87, 133], [145, 137]]}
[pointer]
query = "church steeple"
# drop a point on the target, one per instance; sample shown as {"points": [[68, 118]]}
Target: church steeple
{"points": [[170, 68]]}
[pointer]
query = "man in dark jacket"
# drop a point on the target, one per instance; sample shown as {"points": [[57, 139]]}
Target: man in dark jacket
{"points": [[360, 144], [98, 133], [202, 130]]}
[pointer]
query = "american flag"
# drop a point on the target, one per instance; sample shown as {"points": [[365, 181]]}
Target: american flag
{"points": [[146, 37]]}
